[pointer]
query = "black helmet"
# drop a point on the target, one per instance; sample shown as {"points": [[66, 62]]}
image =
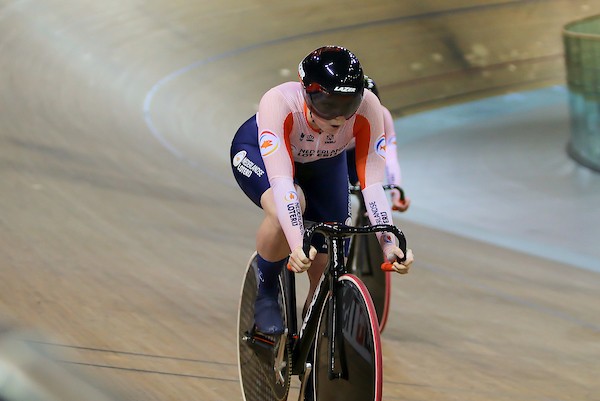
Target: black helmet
{"points": [[370, 85], [333, 82]]}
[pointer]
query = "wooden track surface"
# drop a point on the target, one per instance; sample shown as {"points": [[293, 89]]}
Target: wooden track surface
{"points": [[123, 236]]}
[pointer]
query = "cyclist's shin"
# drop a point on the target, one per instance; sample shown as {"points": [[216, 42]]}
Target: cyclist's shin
{"points": [[268, 275]]}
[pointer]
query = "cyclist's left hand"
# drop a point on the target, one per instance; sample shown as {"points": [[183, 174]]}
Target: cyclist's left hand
{"points": [[395, 255]]}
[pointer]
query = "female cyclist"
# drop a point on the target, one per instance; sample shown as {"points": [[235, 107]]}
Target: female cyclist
{"points": [[290, 160]]}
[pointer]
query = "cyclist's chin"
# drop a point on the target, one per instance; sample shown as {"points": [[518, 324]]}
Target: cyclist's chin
{"points": [[331, 129]]}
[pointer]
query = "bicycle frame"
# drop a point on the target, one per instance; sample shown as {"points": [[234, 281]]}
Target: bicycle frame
{"points": [[303, 340]]}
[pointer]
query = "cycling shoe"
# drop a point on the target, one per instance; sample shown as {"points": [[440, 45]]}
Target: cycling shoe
{"points": [[267, 315]]}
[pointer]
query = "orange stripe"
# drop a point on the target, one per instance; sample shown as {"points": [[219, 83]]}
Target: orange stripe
{"points": [[288, 124], [362, 135]]}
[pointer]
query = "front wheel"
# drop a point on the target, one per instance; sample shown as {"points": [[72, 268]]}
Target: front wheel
{"points": [[357, 371], [366, 264], [259, 379]]}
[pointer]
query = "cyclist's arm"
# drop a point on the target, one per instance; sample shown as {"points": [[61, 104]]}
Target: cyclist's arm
{"points": [[394, 174], [370, 165], [275, 121]]}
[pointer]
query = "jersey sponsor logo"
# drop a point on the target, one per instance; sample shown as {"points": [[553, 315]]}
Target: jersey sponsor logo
{"points": [[291, 196], [293, 209], [319, 153], [330, 139], [345, 89], [309, 137], [245, 166], [268, 143], [239, 156], [380, 217], [380, 145], [295, 214], [306, 152]]}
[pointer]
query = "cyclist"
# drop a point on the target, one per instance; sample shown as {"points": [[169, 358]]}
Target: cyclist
{"points": [[392, 167], [289, 159]]}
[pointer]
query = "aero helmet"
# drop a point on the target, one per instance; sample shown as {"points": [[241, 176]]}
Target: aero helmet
{"points": [[333, 82], [370, 85]]}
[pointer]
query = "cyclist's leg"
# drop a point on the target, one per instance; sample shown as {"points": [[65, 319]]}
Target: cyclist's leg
{"points": [[272, 249], [263, 376], [271, 244]]}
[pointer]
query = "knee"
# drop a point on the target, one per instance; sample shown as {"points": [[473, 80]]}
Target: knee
{"points": [[300, 193], [267, 202]]}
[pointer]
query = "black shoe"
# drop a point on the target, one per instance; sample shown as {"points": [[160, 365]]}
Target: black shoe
{"points": [[267, 315]]}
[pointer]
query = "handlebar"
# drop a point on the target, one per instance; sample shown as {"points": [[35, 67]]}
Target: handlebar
{"points": [[355, 189], [342, 230]]}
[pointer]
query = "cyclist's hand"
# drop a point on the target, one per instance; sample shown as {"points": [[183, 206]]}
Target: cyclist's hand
{"points": [[393, 263], [299, 262], [398, 204]]}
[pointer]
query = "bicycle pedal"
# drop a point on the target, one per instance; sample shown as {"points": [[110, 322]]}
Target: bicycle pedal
{"points": [[264, 346]]}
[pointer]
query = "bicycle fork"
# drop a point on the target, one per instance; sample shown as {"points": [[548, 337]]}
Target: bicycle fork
{"points": [[336, 349]]}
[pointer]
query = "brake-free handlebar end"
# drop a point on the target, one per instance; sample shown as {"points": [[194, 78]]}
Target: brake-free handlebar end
{"points": [[387, 267]]}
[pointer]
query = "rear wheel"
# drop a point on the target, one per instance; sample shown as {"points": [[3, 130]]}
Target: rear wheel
{"points": [[256, 354], [357, 356]]}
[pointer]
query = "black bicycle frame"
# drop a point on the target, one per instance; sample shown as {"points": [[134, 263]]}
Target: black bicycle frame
{"points": [[304, 339]]}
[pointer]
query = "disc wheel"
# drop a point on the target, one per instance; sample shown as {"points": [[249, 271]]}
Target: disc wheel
{"points": [[258, 378]]}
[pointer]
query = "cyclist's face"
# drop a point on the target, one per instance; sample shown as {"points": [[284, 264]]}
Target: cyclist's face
{"points": [[328, 126]]}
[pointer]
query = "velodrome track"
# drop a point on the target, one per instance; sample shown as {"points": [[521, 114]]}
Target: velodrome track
{"points": [[123, 235]]}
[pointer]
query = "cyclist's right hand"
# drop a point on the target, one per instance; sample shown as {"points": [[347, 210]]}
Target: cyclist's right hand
{"points": [[299, 262]]}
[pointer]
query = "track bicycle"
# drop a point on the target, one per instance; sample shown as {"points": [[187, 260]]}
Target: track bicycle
{"points": [[365, 259], [336, 351]]}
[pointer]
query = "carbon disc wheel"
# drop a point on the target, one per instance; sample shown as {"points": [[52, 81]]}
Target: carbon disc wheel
{"points": [[258, 378]]}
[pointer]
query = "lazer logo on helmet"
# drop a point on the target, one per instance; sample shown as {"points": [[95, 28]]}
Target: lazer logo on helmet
{"points": [[345, 89]]}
